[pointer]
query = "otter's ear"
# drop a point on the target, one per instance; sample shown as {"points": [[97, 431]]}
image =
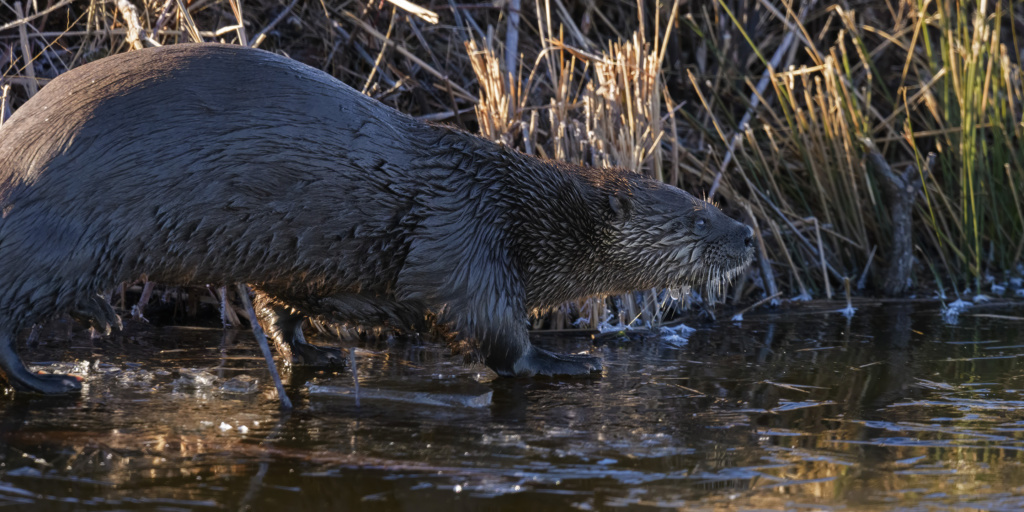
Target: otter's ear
{"points": [[620, 204]]}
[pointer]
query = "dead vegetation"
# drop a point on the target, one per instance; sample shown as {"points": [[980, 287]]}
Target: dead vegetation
{"points": [[787, 114]]}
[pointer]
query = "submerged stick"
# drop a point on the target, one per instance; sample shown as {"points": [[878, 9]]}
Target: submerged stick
{"points": [[261, 338]]}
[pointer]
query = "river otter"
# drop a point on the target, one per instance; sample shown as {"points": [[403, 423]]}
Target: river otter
{"points": [[206, 163]]}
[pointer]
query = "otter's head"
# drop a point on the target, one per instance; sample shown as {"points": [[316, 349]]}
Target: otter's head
{"points": [[677, 240]]}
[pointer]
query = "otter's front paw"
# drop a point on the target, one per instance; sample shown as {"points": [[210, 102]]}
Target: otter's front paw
{"points": [[97, 313], [313, 355], [541, 362]]}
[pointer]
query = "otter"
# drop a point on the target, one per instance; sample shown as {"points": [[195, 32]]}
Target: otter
{"points": [[218, 164]]}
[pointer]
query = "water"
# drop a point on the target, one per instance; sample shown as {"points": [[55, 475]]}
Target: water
{"points": [[804, 410]]}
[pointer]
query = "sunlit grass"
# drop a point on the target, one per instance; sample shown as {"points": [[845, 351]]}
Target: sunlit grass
{"points": [[765, 107]]}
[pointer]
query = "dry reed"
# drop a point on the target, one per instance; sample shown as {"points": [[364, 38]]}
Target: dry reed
{"points": [[667, 89]]}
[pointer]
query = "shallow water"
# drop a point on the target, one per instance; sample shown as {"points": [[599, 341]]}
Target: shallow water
{"points": [[802, 410]]}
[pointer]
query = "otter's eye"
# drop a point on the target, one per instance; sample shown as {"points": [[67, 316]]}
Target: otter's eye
{"points": [[700, 223]]}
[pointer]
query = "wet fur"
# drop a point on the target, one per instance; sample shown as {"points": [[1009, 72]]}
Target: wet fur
{"points": [[212, 164]]}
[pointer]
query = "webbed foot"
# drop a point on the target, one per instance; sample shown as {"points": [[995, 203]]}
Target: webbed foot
{"points": [[538, 361], [48, 384], [24, 381]]}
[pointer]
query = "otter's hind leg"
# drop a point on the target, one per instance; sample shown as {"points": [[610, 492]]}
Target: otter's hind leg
{"points": [[22, 380], [370, 311], [284, 322], [344, 308], [284, 326]]}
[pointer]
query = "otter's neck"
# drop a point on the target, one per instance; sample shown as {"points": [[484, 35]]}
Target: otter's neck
{"points": [[562, 232]]}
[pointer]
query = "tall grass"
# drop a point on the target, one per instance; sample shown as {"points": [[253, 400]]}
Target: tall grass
{"points": [[766, 107], [929, 77]]}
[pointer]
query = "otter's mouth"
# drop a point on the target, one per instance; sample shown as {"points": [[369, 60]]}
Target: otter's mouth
{"points": [[710, 271]]}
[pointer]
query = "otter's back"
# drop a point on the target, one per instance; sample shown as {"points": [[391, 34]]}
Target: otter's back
{"points": [[180, 100], [230, 162]]}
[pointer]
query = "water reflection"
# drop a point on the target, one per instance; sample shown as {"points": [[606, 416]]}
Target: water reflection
{"points": [[890, 409]]}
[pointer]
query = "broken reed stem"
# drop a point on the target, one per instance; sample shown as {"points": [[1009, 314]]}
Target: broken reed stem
{"points": [[862, 281], [113, 32], [262, 34], [236, 9], [512, 38], [164, 16], [1016, 202], [466, 95], [190, 24], [135, 32], [5, 106], [755, 99], [25, 19], [380, 54], [900, 192], [499, 111], [420, 12], [762, 256], [707, 108], [228, 316], [771, 298], [777, 233], [140, 307], [26, 51], [821, 254]]}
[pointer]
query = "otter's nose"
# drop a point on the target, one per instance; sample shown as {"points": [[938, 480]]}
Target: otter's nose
{"points": [[749, 240]]}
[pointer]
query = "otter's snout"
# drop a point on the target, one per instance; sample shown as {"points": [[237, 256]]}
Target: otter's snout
{"points": [[741, 243], [746, 237]]}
